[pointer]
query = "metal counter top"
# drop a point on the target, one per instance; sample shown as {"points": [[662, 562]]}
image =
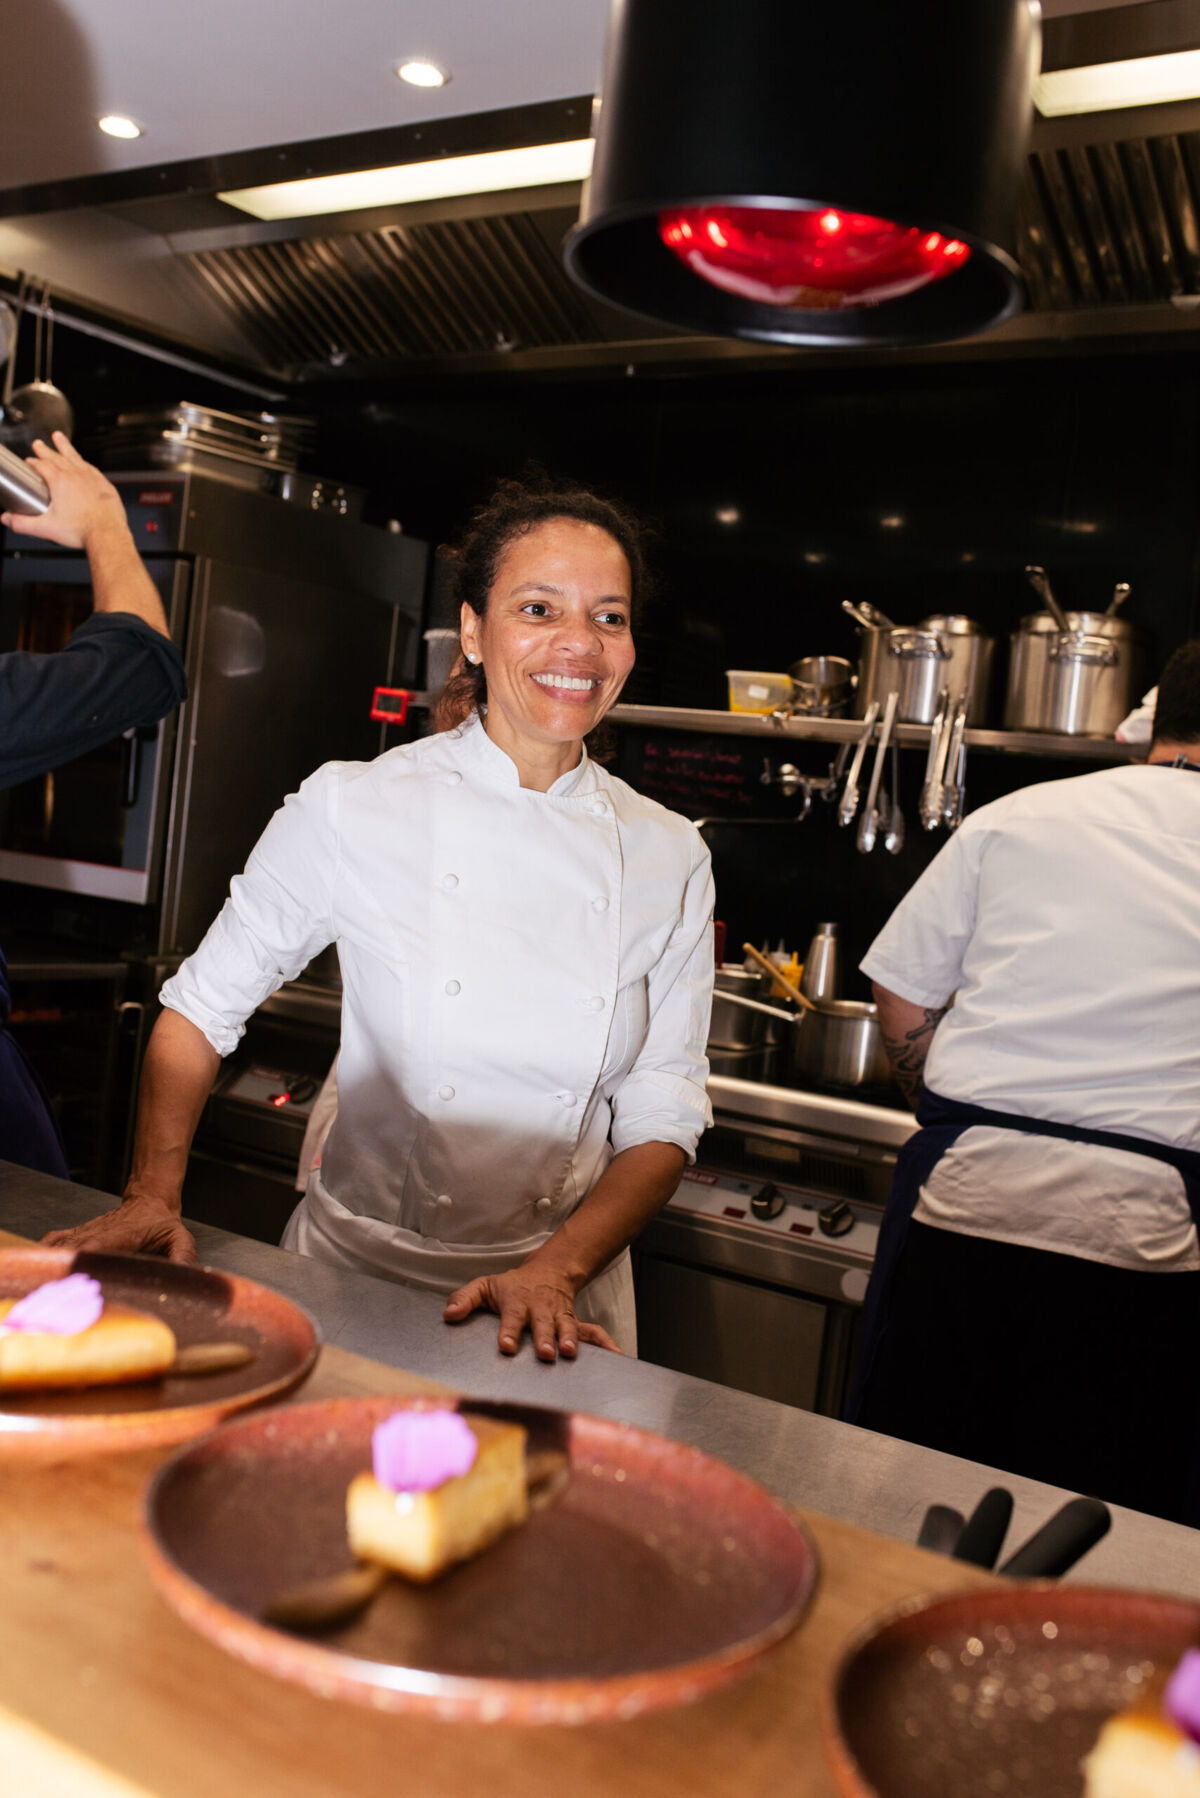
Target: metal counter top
{"points": [[870, 1480]]}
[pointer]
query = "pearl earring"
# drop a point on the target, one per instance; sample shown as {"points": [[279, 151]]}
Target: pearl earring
{"points": [[471, 656]]}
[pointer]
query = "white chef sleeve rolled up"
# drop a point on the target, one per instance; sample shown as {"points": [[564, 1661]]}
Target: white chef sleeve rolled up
{"points": [[277, 917], [663, 1097], [919, 952]]}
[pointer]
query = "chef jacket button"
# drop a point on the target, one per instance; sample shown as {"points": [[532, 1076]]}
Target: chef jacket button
{"points": [[454, 780], [598, 808], [567, 1098], [444, 1200], [600, 904], [449, 882], [543, 1204], [453, 988], [445, 1092], [595, 1003]]}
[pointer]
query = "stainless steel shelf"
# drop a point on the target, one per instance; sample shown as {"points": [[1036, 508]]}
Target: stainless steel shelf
{"points": [[847, 730]]}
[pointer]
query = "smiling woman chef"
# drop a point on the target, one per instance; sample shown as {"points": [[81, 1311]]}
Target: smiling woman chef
{"points": [[527, 967]]}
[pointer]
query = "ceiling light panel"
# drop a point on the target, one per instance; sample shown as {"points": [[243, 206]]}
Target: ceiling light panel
{"points": [[418, 72], [497, 171], [115, 124], [1103, 87]]}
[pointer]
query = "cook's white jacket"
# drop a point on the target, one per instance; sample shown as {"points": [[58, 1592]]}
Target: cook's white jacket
{"points": [[526, 988]]}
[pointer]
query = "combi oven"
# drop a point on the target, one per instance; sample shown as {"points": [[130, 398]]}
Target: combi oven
{"points": [[91, 825], [289, 620]]}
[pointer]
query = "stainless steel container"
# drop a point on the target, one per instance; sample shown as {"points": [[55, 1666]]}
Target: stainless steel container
{"points": [[1073, 683], [821, 686], [910, 663], [840, 1042], [945, 650], [732, 1026], [968, 672], [22, 489]]}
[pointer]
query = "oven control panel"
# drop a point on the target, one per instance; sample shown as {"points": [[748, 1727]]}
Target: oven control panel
{"points": [[766, 1230], [784, 1210]]}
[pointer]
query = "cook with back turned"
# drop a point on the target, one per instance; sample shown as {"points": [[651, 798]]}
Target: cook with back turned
{"points": [[527, 966], [1035, 1304]]}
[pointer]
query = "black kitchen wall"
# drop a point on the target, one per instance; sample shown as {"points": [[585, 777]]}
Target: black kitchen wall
{"points": [[777, 494], [774, 495]]}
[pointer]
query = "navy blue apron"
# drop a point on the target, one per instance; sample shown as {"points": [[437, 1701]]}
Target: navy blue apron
{"points": [[942, 1122], [28, 1133]]}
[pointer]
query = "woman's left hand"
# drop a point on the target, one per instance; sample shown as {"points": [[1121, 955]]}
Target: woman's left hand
{"points": [[522, 1301]]}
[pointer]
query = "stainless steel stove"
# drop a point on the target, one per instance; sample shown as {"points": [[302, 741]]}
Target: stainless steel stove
{"points": [[755, 1273]]}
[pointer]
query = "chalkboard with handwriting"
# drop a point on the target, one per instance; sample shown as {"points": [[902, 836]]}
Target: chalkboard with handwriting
{"points": [[706, 776]]}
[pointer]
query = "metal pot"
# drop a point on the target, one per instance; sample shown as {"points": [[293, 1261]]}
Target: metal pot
{"points": [[821, 686], [968, 673], [915, 663], [731, 1028], [1073, 683], [839, 1041]]}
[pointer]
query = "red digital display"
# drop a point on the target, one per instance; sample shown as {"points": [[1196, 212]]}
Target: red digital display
{"points": [[814, 258]]}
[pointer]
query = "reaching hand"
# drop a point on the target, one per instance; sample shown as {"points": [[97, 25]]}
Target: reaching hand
{"points": [[524, 1302], [137, 1226], [82, 500]]}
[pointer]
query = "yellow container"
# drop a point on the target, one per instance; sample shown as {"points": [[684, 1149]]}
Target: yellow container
{"points": [[750, 690]]}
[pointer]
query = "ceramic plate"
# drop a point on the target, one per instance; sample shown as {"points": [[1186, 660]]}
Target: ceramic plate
{"points": [[1000, 1690], [201, 1306], [656, 1575]]}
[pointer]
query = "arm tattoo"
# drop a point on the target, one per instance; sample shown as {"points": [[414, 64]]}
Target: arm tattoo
{"points": [[907, 1052]]}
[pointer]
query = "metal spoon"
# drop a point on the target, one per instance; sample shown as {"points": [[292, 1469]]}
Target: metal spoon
{"points": [[210, 1357], [324, 1603], [1121, 593], [893, 837], [1039, 580]]}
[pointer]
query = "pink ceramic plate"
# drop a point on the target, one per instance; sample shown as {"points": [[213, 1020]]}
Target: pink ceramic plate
{"points": [[1000, 1690], [657, 1575], [201, 1306]]}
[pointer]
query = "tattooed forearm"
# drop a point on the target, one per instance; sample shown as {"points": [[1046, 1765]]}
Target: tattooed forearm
{"points": [[907, 1032], [907, 1052]]}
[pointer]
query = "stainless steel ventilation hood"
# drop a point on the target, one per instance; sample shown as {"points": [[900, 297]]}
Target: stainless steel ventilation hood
{"points": [[1109, 244]]}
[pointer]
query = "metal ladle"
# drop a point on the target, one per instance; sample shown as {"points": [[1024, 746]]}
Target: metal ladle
{"points": [[1039, 580]]}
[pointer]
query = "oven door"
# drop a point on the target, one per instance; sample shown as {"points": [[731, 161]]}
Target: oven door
{"points": [[94, 825]]}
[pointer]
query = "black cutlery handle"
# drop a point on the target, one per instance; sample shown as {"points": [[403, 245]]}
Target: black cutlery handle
{"points": [[983, 1534], [1062, 1541]]}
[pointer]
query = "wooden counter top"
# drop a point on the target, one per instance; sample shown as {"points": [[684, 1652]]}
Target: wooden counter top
{"points": [[104, 1693]]}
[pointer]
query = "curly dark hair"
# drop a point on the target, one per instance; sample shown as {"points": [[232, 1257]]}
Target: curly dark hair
{"points": [[515, 508], [1177, 709]]}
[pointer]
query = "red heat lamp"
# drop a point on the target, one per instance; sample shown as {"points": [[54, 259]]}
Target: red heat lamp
{"points": [[813, 257], [811, 175]]}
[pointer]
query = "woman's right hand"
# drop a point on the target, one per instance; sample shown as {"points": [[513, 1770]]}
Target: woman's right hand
{"points": [[138, 1225]]}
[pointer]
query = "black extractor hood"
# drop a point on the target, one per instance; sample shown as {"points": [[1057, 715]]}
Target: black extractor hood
{"points": [[802, 173]]}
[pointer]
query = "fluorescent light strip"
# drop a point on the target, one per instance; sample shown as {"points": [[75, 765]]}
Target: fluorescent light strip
{"points": [[1145, 81], [494, 172]]}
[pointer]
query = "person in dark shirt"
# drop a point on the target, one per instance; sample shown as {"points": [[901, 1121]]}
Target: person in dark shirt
{"points": [[119, 669]]}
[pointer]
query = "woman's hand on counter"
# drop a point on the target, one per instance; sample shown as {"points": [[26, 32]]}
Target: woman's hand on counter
{"points": [[525, 1299], [139, 1225]]}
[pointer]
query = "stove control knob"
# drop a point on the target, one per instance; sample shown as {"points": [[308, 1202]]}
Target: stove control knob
{"points": [[768, 1201], [836, 1220]]}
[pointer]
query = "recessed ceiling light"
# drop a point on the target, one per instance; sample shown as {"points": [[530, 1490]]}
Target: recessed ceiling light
{"points": [[419, 73], [1142, 81], [113, 124], [496, 171]]}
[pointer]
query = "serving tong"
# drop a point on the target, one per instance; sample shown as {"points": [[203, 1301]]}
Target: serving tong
{"points": [[943, 796]]}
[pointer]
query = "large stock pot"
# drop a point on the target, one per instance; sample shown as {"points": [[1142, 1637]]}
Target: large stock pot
{"points": [[944, 650], [1074, 683], [838, 1040]]}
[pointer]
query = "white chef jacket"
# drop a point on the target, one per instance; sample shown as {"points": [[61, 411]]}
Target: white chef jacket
{"points": [[1064, 920], [526, 979]]}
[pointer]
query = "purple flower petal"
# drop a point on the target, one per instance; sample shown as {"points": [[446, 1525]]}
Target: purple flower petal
{"points": [[59, 1308], [1181, 1700], [413, 1451]]}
